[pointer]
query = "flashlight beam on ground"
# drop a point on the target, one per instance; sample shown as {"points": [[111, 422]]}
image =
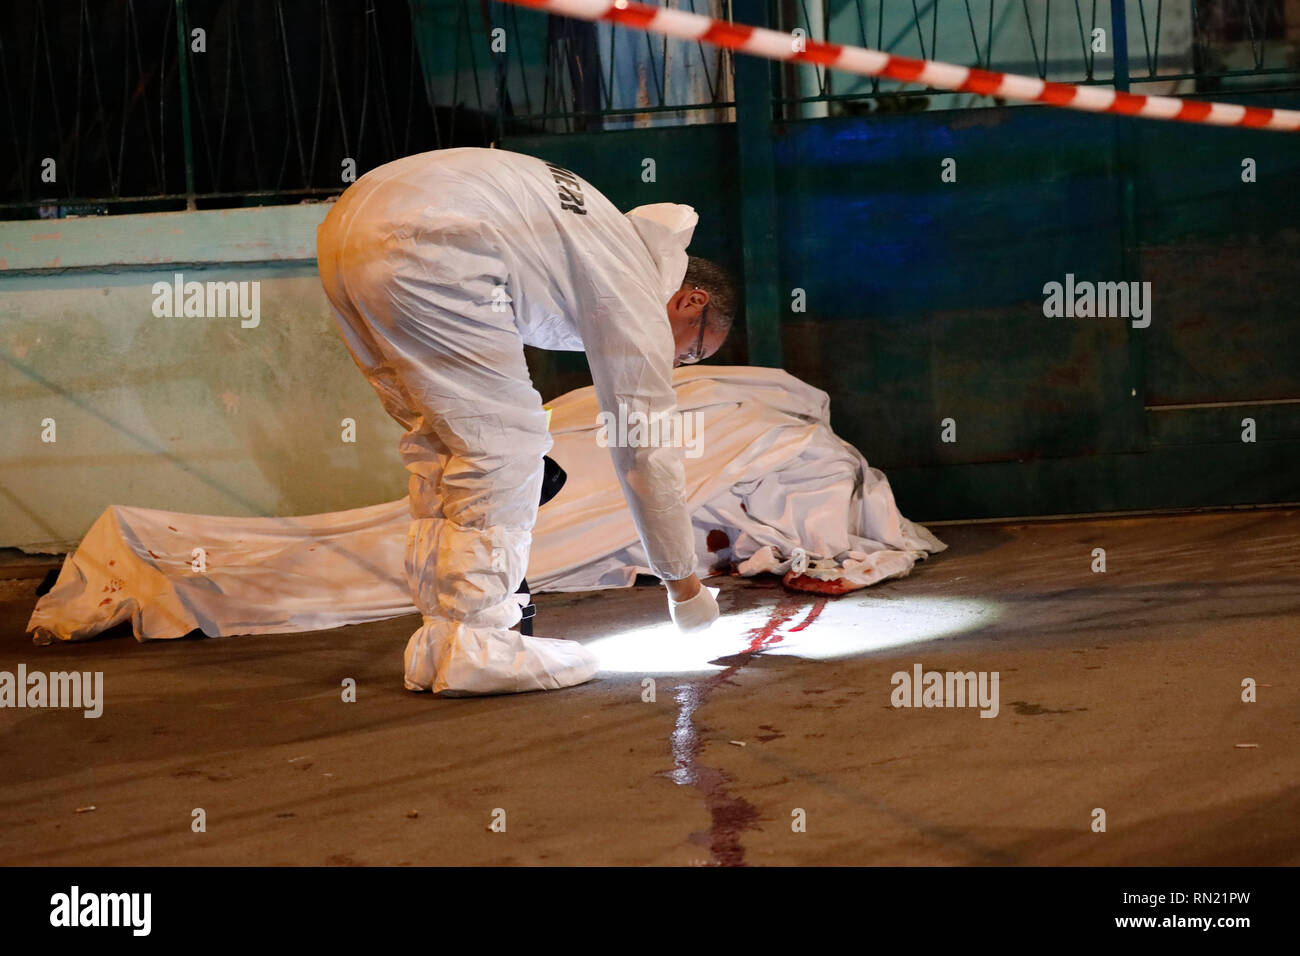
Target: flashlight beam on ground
{"points": [[941, 76]]}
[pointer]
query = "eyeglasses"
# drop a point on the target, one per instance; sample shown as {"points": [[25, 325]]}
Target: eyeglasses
{"points": [[697, 352]]}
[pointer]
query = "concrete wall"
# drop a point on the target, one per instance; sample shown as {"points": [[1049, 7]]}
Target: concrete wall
{"points": [[186, 414], [924, 302]]}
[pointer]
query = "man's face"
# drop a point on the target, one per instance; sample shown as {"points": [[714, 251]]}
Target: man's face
{"points": [[686, 316]]}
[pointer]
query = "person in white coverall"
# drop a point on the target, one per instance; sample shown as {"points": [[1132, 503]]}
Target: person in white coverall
{"points": [[440, 267]]}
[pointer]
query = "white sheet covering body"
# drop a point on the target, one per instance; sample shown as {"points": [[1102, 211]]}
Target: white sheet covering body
{"points": [[769, 474]]}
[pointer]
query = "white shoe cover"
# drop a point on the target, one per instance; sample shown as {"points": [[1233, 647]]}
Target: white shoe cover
{"points": [[456, 660]]}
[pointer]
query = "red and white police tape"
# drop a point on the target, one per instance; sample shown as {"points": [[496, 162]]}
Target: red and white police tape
{"points": [[943, 76]]}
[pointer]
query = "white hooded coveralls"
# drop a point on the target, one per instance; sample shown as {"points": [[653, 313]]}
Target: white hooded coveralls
{"points": [[439, 268]]}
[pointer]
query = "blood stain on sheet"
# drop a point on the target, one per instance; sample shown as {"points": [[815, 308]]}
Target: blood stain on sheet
{"points": [[803, 582], [170, 528], [717, 541]]}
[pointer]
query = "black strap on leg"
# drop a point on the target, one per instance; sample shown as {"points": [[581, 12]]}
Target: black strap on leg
{"points": [[553, 478], [529, 611]]}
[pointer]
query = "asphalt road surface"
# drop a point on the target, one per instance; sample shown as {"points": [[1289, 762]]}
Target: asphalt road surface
{"points": [[774, 739]]}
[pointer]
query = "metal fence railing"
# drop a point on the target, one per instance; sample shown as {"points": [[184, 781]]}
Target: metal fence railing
{"points": [[568, 75], [1173, 46], [163, 104]]}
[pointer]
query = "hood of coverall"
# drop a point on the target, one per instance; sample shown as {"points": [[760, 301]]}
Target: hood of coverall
{"points": [[666, 229]]}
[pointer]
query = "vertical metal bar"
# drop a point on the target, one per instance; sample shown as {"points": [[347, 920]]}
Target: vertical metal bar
{"points": [[497, 17], [1119, 41], [1153, 60], [1124, 143], [182, 65], [1129, 252], [757, 181]]}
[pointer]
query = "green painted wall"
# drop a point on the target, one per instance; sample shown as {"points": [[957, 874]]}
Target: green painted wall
{"points": [[924, 299]]}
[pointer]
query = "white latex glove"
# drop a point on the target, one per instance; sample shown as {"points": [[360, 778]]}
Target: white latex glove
{"points": [[696, 613]]}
